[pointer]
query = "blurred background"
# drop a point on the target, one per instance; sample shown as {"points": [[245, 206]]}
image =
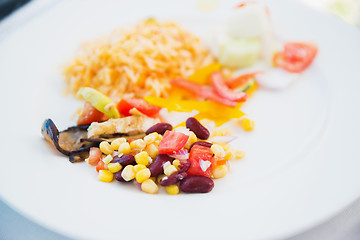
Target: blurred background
{"points": [[8, 6], [347, 10]]}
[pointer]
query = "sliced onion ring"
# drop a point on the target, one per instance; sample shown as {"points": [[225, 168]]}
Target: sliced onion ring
{"points": [[181, 155]]}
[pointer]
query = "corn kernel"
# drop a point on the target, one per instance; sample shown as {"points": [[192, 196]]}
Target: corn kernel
{"points": [[157, 142], [192, 138], [139, 167], [239, 154], [142, 158], [176, 164], [169, 170], [116, 143], [226, 131], [153, 178], [128, 173], [219, 171], [216, 132], [105, 176], [143, 175], [152, 150], [230, 155], [124, 148], [172, 189], [225, 146], [138, 144], [114, 167], [247, 124], [149, 186], [106, 148], [152, 137], [218, 150]]}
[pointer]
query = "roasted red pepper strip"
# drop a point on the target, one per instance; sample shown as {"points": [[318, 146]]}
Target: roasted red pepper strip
{"points": [[220, 87], [240, 80], [201, 91]]}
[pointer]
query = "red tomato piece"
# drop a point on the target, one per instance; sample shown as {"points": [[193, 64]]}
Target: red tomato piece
{"points": [[218, 83], [202, 91], [296, 57], [172, 142], [200, 153], [100, 166], [125, 105], [90, 114], [94, 156]]}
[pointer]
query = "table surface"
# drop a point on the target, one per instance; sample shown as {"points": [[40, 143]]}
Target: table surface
{"points": [[344, 226]]}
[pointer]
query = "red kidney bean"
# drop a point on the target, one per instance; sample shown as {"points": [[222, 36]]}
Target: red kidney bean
{"points": [[200, 131], [156, 168], [119, 177], [160, 128], [196, 184], [173, 179], [201, 143], [124, 160], [184, 166]]}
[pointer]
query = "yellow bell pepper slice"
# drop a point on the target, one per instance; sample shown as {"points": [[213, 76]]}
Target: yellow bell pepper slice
{"points": [[202, 75], [212, 109]]}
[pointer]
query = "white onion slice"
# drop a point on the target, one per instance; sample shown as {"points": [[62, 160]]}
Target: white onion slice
{"points": [[181, 155], [276, 79]]}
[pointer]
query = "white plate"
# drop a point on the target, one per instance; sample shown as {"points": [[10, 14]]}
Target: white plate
{"points": [[301, 167]]}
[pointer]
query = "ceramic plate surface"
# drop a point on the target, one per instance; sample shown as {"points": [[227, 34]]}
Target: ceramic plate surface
{"points": [[302, 163]]}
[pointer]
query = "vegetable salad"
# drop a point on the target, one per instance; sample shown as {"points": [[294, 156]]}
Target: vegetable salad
{"points": [[134, 139]]}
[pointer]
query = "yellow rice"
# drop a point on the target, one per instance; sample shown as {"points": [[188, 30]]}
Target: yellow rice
{"points": [[137, 61]]}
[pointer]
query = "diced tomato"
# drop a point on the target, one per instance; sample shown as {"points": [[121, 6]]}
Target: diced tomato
{"points": [[126, 104], [90, 114], [94, 156], [100, 166], [172, 142], [200, 153], [296, 56], [202, 91], [218, 161], [240, 80], [218, 83]]}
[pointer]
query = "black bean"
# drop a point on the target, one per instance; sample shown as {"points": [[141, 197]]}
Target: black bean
{"points": [[200, 131], [196, 184], [124, 160], [156, 168], [160, 128]]}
